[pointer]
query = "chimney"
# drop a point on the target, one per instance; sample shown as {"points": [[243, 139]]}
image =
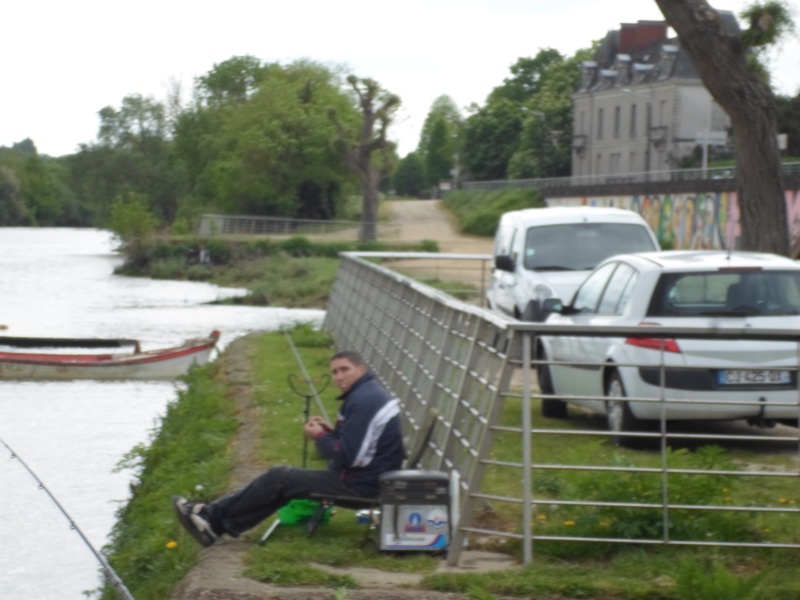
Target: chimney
{"points": [[637, 35]]}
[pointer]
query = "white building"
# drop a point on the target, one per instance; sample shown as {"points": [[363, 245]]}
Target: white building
{"points": [[640, 105]]}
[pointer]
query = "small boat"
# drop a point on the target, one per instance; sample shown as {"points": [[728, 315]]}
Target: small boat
{"points": [[30, 359]]}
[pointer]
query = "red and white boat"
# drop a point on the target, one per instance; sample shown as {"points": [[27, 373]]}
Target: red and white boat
{"points": [[31, 359]]}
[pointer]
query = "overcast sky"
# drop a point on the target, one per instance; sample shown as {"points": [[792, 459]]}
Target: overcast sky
{"points": [[64, 61]]}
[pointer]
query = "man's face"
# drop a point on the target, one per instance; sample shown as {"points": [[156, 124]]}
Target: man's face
{"points": [[345, 373]]}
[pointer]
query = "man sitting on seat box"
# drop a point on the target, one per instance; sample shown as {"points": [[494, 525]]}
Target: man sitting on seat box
{"points": [[366, 442]]}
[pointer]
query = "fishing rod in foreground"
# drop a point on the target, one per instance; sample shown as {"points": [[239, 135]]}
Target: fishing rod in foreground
{"points": [[110, 573]]}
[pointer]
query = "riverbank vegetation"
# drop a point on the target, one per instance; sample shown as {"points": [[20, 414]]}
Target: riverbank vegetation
{"points": [[258, 138], [293, 272], [192, 453]]}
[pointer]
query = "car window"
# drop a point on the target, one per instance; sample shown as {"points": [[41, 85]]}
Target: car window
{"points": [[727, 292], [588, 295], [618, 291], [582, 246]]}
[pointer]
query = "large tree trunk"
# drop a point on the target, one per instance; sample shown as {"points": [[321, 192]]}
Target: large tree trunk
{"points": [[721, 60]]}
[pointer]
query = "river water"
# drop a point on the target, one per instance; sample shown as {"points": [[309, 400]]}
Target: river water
{"points": [[60, 283]]}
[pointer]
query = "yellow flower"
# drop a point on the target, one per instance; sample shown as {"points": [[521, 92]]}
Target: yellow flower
{"points": [[782, 500], [569, 523], [541, 517], [172, 544]]}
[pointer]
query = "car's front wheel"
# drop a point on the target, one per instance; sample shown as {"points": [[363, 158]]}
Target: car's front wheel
{"points": [[552, 408], [618, 413], [533, 313]]}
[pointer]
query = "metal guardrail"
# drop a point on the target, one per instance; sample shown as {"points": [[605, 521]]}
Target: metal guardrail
{"points": [[212, 224], [473, 366], [617, 178]]}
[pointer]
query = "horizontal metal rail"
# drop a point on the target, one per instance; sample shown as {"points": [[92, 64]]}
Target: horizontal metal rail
{"points": [[714, 173]]}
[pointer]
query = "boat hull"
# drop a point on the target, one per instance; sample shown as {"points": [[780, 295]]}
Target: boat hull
{"points": [[164, 364]]}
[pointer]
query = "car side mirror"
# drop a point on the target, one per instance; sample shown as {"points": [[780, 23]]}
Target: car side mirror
{"points": [[504, 263], [552, 305]]}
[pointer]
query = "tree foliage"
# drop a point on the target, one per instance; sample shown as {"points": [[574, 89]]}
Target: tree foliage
{"points": [[527, 75], [409, 177], [524, 129], [34, 189], [491, 136], [443, 109], [274, 154]]}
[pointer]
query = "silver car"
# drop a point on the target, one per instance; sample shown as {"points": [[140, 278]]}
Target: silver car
{"points": [[703, 379]]}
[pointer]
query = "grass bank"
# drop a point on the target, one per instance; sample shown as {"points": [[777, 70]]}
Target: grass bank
{"points": [[294, 272], [192, 453], [478, 211]]}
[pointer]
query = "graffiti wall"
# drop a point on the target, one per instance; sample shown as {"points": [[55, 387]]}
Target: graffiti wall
{"points": [[690, 221]]}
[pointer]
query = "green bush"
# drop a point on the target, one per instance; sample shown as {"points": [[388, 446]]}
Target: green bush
{"points": [[622, 522]]}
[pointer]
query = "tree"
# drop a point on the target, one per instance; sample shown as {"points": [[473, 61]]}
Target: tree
{"points": [[545, 144], [442, 109], [439, 156], [724, 59], [134, 153], [409, 177], [491, 136], [367, 149], [527, 73], [232, 81]]}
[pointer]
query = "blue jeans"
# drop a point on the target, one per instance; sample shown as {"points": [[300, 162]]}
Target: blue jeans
{"points": [[273, 489]]}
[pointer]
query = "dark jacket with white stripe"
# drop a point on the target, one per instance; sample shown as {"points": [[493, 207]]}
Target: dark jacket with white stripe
{"points": [[367, 439]]}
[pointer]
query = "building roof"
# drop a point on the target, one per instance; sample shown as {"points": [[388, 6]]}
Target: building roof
{"points": [[640, 53]]}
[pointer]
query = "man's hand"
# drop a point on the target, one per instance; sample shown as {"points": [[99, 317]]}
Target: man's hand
{"points": [[316, 427]]}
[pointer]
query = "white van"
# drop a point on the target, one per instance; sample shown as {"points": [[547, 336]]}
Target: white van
{"points": [[547, 253]]}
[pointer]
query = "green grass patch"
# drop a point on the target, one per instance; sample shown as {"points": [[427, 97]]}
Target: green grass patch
{"points": [[295, 272], [479, 211], [188, 456]]}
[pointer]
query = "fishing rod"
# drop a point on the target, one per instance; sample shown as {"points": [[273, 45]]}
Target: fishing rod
{"points": [[308, 379], [107, 569]]}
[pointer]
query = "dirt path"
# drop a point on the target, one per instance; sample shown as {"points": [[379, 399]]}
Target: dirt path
{"points": [[418, 220], [218, 575]]}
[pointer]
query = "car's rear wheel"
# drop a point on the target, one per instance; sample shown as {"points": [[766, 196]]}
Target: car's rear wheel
{"points": [[618, 413], [552, 408]]}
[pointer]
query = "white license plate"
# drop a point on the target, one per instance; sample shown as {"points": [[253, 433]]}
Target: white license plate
{"points": [[752, 376]]}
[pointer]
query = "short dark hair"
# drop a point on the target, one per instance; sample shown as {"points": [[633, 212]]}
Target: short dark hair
{"points": [[350, 355]]}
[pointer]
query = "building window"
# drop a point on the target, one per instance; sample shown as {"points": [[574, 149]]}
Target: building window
{"points": [[617, 119], [632, 163], [599, 123], [633, 120], [598, 165], [615, 163]]}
